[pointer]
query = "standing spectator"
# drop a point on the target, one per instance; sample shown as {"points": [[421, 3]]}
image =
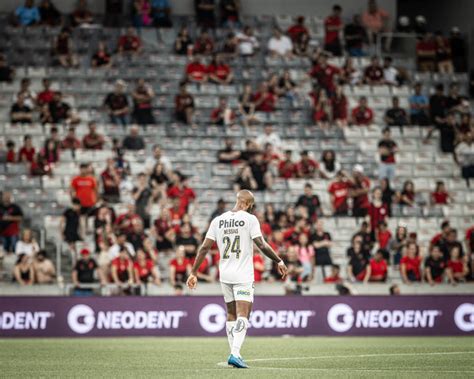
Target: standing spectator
{"points": [[376, 21], [443, 54], [339, 107], [141, 13], [111, 182], [377, 212], [180, 267], [339, 193], [219, 72], [27, 244], [28, 14], [183, 41], [447, 133], [362, 115], [84, 271], [373, 74], [93, 140], [113, 10], [359, 190], [133, 141], [20, 113], [333, 26], [435, 266], [458, 50], [116, 103], [7, 73], [184, 106], [145, 271], [84, 187], [142, 99], [11, 216], [419, 106], [247, 42], [322, 242], [396, 116], [223, 115], [464, 154], [426, 53], [355, 36], [46, 96], [23, 271], [142, 195], [306, 257], [378, 268], [101, 58], [71, 142], [280, 45], [50, 15], [310, 201], [82, 15], [43, 267], [387, 150], [205, 13], [329, 166], [440, 196], [297, 30], [388, 194], [64, 50], [161, 13], [129, 43], [230, 13], [71, 224]]}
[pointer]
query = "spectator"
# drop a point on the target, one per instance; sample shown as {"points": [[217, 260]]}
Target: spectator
{"points": [[322, 110], [333, 26], [376, 21], [454, 99], [287, 169], [324, 74], [205, 13], [180, 267], [223, 115], [121, 245], [183, 42], [329, 166], [334, 277], [39, 166], [364, 235], [25, 91], [362, 115], [43, 268], [297, 30], [435, 266], [184, 106], [20, 113], [11, 154], [49, 14], [50, 153], [82, 16], [355, 36], [263, 99], [398, 244], [306, 257], [440, 196], [310, 201], [101, 58], [143, 108], [260, 172], [407, 196], [84, 271], [28, 14], [387, 149], [27, 151], [116, 103], [464, 154], [458, 50], [133, 141], [359, 189], [247, 106], [179, 189], [71, 224], [322, 242], [204, 44], [269, 136], [11, 216], [229, 154], [247, 42], [358, 268], [129, 43], [447, 243], [23, 271], [141, 13], [396, 116], [230, 46], [196, 72], [383, 237], [442, 237], [93, 140], [145, 271], [339, 107], [419, 106], [378, 268], [157, 158], [349, 74], [113, 10], [7, 73], [186, 238], [457, 268], [161, 13], [46, 96], [295, 270], [301, 47], [64, 50], [229, 11], [219, 72], [122, 269], [374, 74], [84, 187], [443, 54], [111, 182], [221, 208], [280, 45], [71, 142], [307, 167], [377, 212], [27, 244], [339, 193], [59, 112], [390, 73], [142, 195], [426, 53], [438, 105], [410, 264]]}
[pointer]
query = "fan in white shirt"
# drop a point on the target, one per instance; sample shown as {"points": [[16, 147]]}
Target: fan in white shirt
{"points": [[280, 45]]}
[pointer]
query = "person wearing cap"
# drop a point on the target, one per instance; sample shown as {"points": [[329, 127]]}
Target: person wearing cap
{"points": [[359, 190], [117, 105], [84, 271], [43, 267]]}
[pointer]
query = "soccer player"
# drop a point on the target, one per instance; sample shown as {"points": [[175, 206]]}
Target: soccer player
{"points": [[235, 231]]}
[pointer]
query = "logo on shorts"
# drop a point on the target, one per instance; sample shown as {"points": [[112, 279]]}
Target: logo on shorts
{"points": [[243, 293], [81, 318], [212, 318], [464, 317]]}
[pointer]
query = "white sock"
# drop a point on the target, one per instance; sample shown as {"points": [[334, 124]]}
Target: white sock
{"points": [[239, 332], [229, 326]]}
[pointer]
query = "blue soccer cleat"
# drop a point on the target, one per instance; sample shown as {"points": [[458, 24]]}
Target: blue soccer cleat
{"points": [[236, 362]]}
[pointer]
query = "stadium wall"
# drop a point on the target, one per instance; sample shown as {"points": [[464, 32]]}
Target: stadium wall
{"points": [[205, 316]]}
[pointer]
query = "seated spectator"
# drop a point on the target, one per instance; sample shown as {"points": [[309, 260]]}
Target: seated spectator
{"points": [[183, 42], [458, 50], [84, 271], [301, 46], [46, 96], [219, 72], [229, 47], [186, 238], [410, 264], [419, 106], [23, 271], [116, 103], [390, 73], [20, 113], [443, 54], [263, 99], [378, 268], [50, 153], [71, 142], [359, 190], [228, 154], [10, 155], [141, 13], [426, 53], [180, 267], [49, 14], [223, 114], [280, 45], [145, 270], [333, 27], [93, 140], [310, 202], [397, 246], [355, 36], [362, 115], [407, 196], [7, 73], [45, 273], [39, 166], [204, 44], [184, 106], [448, 242], [133, 141], [358, 268], [82, 16], [339, 107], [111, 182], [158, 157], [129, 43], [295, 271], [27, 244], [28, 14], [324, 74], [396, 116], [329, 166], [142, 96], [27, 151], [269, 136], [205, 13], [374, 74], [457, 268], [84, 187], [260, 172], [376, 21], [387, 148], [321, 110], [435, 266], [464, 154], [59, 112], [287, 169], [307, 167], [161, 13], [179, 189], [122, 269], [339, 193], [64, 50], [196, 72], [247, 42], [247, 106], [383, 237], [440, 196], [298, 29], [119, 245], [101, 58], [334, 277], [29, 96]]}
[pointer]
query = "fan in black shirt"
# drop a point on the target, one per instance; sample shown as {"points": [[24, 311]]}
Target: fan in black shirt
{"points": [[310, 201], [435, 266], [84, 269]]}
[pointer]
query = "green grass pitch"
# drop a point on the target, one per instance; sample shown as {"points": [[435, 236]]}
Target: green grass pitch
{"points": [[307, 357]]}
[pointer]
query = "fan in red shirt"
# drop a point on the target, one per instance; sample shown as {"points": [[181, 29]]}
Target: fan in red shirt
{"points": [[334, 277], [307, 167], [204, 44], [130, 42], [46, 95], [378, 268], [325, 74], [410, 264], [297, 30], [27, 151], [383, 235], [378, 211], [339, 192], [179, 189], [426, 53], [11, 154], [180, 267], [84, 187], [71, 142], [373, 73], [264, 99], [222, 115], [332, 26], [122, 268], [359, 191], [440, 196], [219, 71], [258, 266], [470, 240], [286, 168], [124, 222], [457, 267], [362, 114], [195, 71], [176, 211], [339, 107], [145, 270]]}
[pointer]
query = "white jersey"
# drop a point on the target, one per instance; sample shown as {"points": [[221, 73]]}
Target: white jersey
{"points": [[234, 233]]}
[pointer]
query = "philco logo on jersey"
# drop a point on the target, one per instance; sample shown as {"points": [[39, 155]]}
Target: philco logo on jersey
{"points": [[231, 223]]}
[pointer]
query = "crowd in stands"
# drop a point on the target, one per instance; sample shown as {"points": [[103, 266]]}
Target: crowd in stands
{"points": [[130, 246]]}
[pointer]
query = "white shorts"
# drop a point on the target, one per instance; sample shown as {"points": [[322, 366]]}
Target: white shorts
{"points": [[237, 292]]}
